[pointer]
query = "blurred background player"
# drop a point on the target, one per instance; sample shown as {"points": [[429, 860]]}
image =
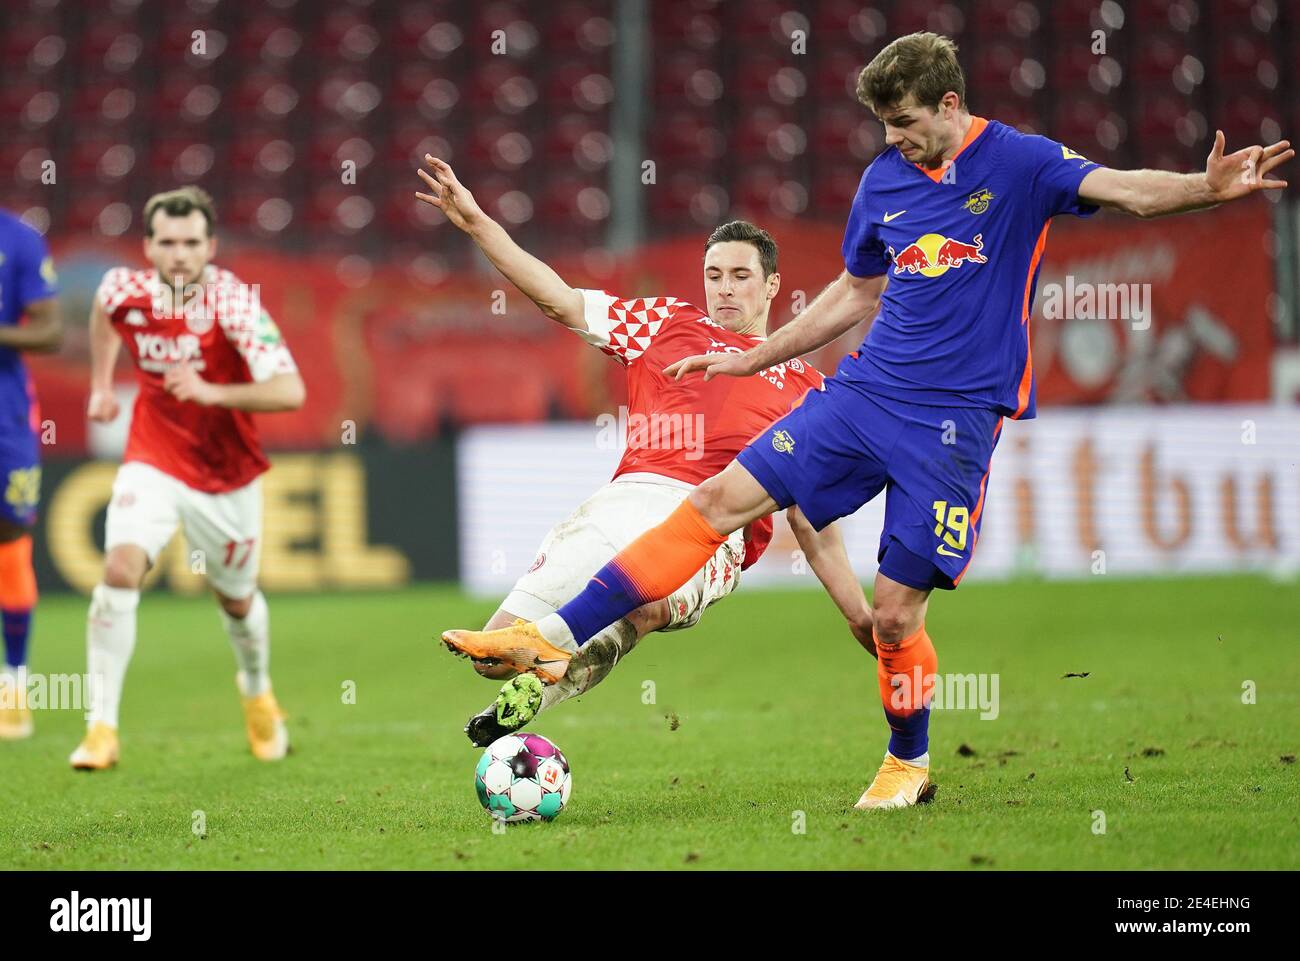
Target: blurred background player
{"points": [[28, 289], [679, 434], [207, 356]]}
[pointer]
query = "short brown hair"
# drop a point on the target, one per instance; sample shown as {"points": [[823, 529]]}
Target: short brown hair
{"points": [[922, 64], [745, 232], [180, 202]]}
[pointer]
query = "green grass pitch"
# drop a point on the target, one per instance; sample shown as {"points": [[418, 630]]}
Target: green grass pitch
{"points": [[766, 710]]}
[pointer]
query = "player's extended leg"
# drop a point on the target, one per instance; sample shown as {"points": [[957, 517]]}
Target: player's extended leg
{"points": [[17, 600], [523, 697], [110, 640], [905, 669], [650, 568]]}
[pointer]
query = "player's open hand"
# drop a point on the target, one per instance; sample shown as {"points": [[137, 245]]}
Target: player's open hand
{"points": [[448, 194], [733, 365], [185, 384], [1242, 173], [103, 406]]}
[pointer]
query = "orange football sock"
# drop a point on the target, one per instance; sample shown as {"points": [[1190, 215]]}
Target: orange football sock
{"points": [[17, 597], [906, 673], [651, 567]]}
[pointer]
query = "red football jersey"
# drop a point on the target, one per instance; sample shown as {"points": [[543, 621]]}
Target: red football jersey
{"points": [[220, 328], [689, 429]]}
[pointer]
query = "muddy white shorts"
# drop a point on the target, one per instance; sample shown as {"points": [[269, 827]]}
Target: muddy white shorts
{"points": [[226, 529], [613, 517]]}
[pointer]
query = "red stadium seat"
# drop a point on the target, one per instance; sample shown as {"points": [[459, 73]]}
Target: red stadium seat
{"points": [[669, 201], [1158, 117], [1076, 122], [1171, 157], [1071, 66], [265, 37], [578, 27], [83, 210], [836, 76], [502, 144], [994, 18], [1011, 110], [564, 133], [995, 63], [495, 383], [1156, 56], [1242, 117], [834, 188], [1160, 15], [756, 22], [1072, 14], [752, 138], [687, 135], [843, 132], [673, 73], [944, 18], [1243, 55]]}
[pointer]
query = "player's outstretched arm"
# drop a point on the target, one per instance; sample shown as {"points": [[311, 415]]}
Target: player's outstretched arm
{"points": [[42, 330], [538, 282], [825, 553], [845, 302], [1155, 193], [104, 345]]}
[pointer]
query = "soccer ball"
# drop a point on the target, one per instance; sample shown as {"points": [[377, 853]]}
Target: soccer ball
{"points": [[522, 777]]}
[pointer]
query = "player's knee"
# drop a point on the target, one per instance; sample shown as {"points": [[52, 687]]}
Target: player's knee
{"points": [[893, 623], [236, 607], [709, 499], [651, 617], [123, 570]]}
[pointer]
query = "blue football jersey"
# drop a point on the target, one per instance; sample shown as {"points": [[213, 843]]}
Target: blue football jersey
{"points": [[26, 275], [961, 247]]}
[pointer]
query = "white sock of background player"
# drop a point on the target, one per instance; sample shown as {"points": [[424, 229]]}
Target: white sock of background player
{"points": [[250, 637], [110, 639]]}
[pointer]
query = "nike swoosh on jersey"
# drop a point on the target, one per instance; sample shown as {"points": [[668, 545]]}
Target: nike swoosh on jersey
{"points": [[889, 216], [947, 553]]}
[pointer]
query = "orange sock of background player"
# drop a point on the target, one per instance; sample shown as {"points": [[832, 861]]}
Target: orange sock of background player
{"points": [[17, 597], [651, 567], [906, 672]]}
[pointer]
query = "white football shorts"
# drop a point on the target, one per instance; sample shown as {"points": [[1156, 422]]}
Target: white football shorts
{"points": [[148, 506], [608, 521]]}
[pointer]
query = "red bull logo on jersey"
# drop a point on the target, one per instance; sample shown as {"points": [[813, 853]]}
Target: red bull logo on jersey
{"points": [[933, 254]]}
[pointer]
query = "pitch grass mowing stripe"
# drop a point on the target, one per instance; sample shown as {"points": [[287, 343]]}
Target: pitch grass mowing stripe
{"points": [[747, 749]]}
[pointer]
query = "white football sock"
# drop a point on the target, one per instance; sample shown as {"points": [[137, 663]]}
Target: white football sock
{"points": [[554, 628], [250, 636], [922, 761], [110, 639], [591, 665]]}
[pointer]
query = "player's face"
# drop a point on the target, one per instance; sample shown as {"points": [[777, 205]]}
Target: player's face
{"points": [[736, 293], [923, 134], [180, 246]]}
